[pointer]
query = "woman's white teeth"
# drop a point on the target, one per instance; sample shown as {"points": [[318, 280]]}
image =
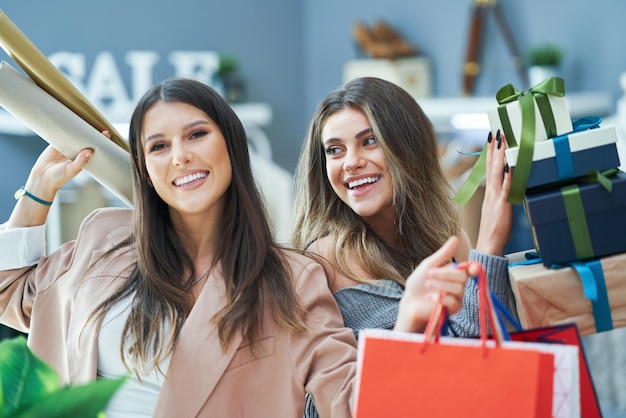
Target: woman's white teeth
{"points": [[188, 179], [365, 180]]}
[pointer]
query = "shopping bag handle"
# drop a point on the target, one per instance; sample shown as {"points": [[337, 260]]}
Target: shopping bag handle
{"points": [[503, 311], [486, 313], [436, 320]]}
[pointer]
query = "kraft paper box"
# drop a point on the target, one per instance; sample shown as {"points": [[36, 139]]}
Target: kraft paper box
{"points": [[560, 113], [592, 149], [600, 230], [546, 297]]}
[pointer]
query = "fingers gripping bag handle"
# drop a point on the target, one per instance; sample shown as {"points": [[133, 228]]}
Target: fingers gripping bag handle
{"points": [[403, 374], [489, 307]]}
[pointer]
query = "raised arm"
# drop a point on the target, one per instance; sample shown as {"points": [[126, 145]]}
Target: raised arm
{"points": [[496, 220], [51, 171], [493, 235]]}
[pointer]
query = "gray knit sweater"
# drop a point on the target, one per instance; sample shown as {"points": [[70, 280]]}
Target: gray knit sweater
{"points": [[376, 305]]}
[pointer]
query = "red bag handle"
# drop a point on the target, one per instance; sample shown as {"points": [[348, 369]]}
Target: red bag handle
{"points": [[486, 312]]}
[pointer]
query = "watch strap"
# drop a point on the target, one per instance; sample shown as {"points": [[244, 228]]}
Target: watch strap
{"points": [[23, 192]]}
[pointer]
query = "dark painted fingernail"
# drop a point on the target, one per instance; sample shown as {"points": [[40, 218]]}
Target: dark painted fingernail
{"points": [[499, 143], [506, 167], [489, 137], [498, 136]]}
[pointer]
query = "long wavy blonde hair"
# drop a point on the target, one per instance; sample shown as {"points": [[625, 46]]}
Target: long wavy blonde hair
{"points": [[426, 216]]}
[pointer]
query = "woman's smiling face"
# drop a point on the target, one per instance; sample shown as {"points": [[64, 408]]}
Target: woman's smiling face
{"points": [[186, 158], [355, 166]]}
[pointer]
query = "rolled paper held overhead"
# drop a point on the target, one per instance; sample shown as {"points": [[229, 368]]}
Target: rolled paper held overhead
{"points": [[37, 66], [65, 130]]}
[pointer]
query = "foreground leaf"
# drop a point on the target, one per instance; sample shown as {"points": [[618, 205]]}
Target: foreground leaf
{"points": [[25, 377], [85, 401]]}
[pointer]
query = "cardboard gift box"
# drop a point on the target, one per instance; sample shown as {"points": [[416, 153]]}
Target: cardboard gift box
{"points": [[578, 221], [569, 156], [545, 296]]}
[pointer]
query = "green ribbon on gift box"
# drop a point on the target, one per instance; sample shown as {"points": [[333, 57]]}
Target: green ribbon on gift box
{"points": [[552, 86], [507, 94], [473, 180], [577, 221], [575, 211]]}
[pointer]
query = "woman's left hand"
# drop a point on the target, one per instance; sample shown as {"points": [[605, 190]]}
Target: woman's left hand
{"points": [[496, 221]]}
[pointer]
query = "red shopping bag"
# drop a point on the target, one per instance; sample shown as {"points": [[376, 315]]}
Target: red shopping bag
{"points": [[561, 334], [403, 375], [568, 334]]}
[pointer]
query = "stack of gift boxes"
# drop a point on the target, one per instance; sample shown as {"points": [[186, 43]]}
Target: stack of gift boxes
{"points": [[566, 176]]}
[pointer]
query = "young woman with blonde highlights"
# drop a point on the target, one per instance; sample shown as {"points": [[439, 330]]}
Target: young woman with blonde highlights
{"points": [[373, 200]]}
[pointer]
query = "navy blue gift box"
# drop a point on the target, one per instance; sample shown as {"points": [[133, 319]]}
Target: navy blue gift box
{"points": [[589, 147], [591, 227]]}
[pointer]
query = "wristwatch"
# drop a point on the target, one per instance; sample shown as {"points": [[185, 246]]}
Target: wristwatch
{"points": [[21, 192]]}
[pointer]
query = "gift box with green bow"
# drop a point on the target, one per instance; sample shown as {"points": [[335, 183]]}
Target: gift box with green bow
{"points": [[539, 113], [524, 117], [581, 220]]}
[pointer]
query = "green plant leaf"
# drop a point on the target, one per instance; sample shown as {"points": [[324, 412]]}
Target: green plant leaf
{"points": [[25, 378], [85, 401], [228, 64], [545, 54]]}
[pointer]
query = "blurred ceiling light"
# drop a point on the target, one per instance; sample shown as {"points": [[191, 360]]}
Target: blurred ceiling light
{"points": [[470, 121]]}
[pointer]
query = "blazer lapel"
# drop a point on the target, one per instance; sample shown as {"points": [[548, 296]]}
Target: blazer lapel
{"points": [[82, 340], [198, 360]]}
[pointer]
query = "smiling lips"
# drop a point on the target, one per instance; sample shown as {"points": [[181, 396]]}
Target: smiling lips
{"points": [[181, 181], [360, 182]]}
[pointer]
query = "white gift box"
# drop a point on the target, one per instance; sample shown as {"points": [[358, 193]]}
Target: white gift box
{"points": [[560, 113]]}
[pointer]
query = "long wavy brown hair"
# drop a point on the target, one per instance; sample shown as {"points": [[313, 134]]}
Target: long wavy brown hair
{"points": [[252, 265], [426, 216]]}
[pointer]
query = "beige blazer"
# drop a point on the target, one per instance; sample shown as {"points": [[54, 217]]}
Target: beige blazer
{"points": [[52, 300]]}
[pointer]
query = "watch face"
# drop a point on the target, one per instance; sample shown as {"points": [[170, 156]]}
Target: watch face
{"points": [[20, 193]]}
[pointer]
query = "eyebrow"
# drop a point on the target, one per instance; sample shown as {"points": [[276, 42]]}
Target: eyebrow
{"points": [[188, 126], [358, 135]]}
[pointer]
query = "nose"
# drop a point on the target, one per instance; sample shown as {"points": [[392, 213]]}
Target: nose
{"points": [[354, 159], [181, 154]]}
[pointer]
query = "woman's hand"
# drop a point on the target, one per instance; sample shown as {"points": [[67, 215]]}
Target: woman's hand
{"points": [[434, 274], [496, 220], [52, 170]]}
